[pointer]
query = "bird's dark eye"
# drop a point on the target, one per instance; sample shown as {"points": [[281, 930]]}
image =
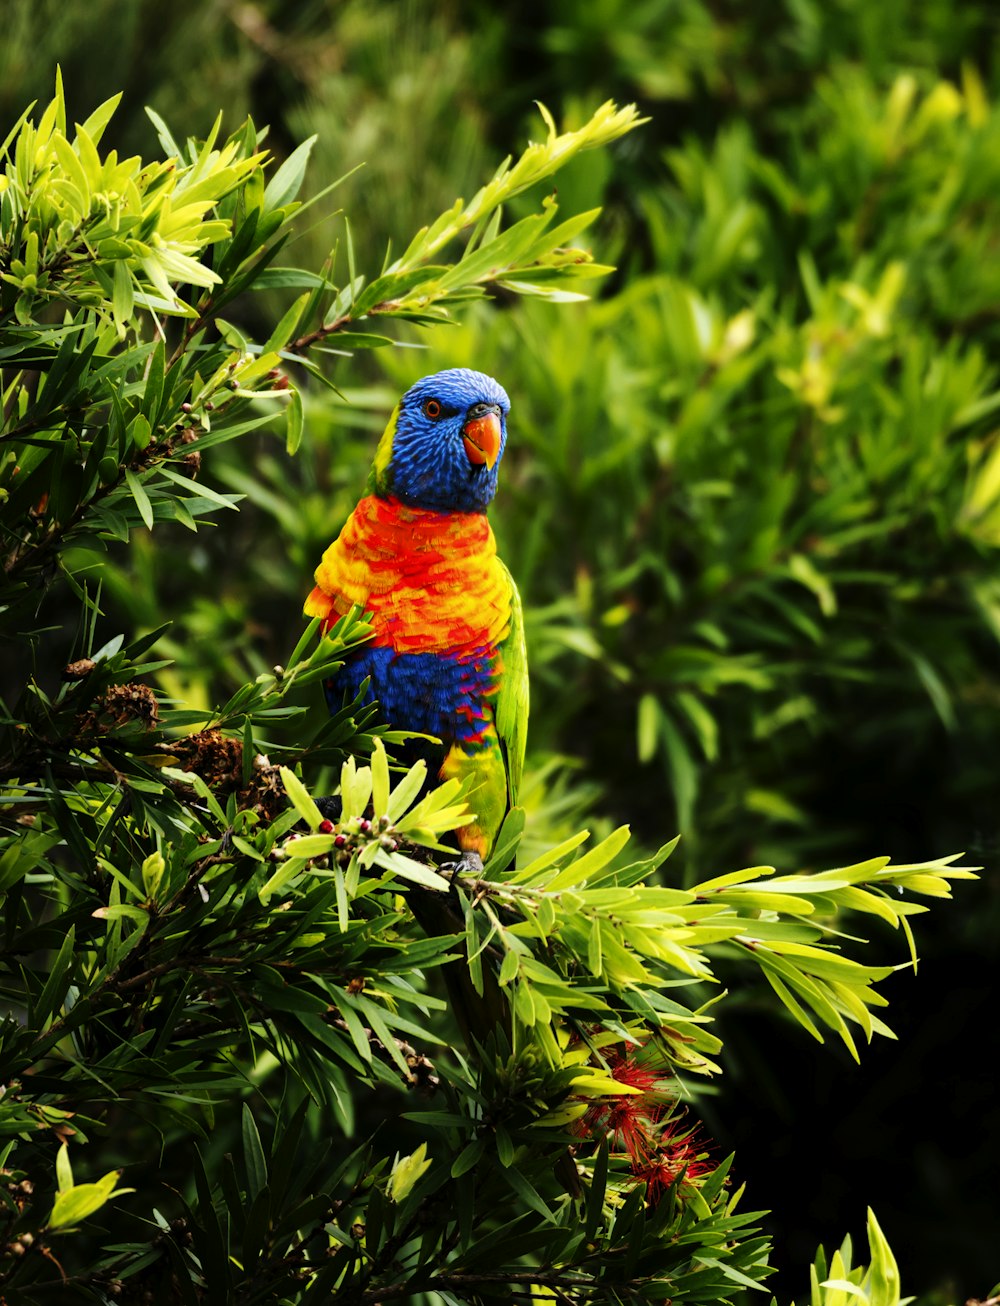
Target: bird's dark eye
{"points": [[432, 409]]}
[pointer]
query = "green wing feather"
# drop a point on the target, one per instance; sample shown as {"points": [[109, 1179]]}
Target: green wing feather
{"points": [[512, 701]]}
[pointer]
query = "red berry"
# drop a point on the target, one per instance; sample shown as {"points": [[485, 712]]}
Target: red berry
{"points": [[340, 841], [365, 826], [325, 827]]}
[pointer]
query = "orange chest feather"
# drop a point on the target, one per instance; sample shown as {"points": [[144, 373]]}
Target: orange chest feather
{"points": [[431, 580]]}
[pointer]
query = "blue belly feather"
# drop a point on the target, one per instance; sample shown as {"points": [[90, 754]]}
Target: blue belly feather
{"points": [[435, 693]]}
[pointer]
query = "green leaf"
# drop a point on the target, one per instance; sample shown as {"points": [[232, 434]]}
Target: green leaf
{"points": [[140, 432], [94, 125], [58, 981], [505, 1147], [884, 1272], [527, 1194], [199, 491], [380, 778], [579, 871], [594, 955], [730, 1271], [75, 1203], [284, 875], [253, 1153], [548, 858], [508, 968], [468, 1158], [506, 845], [140, 496], [596, 1192], [296, 423], [393, 286], [406, 790], [286, 183], [152, 873], [283, 332], [198, 784], [122, 300], [407, 1171], [648, 727], [167, 141], [300, 798], [64, 1171], [409, 869], [122, 911]]}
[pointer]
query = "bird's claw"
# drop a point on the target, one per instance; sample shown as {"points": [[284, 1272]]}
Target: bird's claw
{"points": [[469, 863]]}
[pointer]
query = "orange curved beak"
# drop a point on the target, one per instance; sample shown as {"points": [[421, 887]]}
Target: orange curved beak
{"points": [[481, 437]]}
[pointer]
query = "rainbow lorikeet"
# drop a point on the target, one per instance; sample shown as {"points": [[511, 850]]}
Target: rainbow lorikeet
{"points": [[447, 657]]}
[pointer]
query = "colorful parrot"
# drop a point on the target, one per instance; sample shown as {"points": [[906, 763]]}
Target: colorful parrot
{"points": [[447, 657]]}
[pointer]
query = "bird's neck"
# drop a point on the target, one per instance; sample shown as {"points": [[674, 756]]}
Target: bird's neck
{"points": [[431, 580], [407, 529]]}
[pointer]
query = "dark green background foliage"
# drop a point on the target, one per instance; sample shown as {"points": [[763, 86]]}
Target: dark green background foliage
{"points": [[751, 497]]}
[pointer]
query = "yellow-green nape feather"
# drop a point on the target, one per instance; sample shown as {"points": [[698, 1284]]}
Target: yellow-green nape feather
{"points": [[378, 477]]}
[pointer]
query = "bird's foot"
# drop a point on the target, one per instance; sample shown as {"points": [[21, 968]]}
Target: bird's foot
{"points": [[469, 863]]}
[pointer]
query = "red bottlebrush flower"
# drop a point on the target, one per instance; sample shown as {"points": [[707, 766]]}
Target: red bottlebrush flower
{"points": [[629, 1120], [626, 1070], [649, 1127], [678, 1151], [630, 1128]]}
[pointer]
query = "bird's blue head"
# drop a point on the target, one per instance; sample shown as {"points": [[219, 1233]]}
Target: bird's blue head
{"points": [[443, 445]]}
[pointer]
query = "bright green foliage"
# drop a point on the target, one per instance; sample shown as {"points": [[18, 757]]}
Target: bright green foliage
{"points": [[844, 1284], [232, 1003], [531, 257], [580, 910], [74, 1202], [99, 232]]}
